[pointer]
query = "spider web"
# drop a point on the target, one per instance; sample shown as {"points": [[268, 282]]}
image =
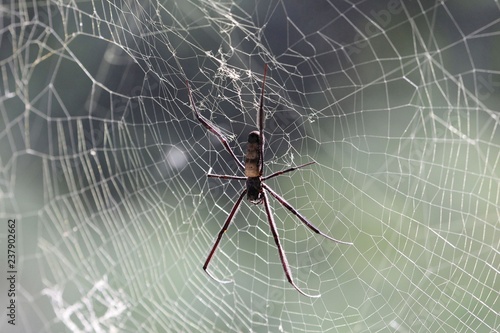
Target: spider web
{"points": [[103, 164]]}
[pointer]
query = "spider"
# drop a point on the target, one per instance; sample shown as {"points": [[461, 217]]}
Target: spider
{"points": [[256, 190]]}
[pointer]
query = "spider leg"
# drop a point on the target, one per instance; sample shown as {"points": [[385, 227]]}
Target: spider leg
{"points": [[221, 232], [212, 128], [261, 119], [284, 261], [287, 170], [211, 175], [302, 218]]}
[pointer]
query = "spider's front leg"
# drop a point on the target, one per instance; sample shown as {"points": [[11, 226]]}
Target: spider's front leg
{"points": [[284, 261], [234, 210]]}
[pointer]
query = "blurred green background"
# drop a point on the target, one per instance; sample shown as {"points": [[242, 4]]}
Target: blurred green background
{"points": [[103, 165]]}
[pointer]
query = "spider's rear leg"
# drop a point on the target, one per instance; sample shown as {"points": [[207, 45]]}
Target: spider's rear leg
{"points": [[212, 128]]}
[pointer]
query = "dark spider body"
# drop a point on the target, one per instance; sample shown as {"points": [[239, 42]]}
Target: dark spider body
{"points": [[252, 165], [255, 189]]}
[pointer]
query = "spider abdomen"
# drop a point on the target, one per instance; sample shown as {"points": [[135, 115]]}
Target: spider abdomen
{"points": [[252, 157], [252, 172]]}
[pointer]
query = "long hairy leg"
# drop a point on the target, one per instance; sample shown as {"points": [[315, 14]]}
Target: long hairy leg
{"points": [[284, 261], [221, 232], [212, 128], [300, 216]]}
